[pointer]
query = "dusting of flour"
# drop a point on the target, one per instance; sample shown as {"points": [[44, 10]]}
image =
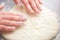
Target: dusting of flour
{"points": [[41, 27]]}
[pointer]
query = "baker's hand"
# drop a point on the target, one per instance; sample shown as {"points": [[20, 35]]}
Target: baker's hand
{"points": [[32, 6], [10, 21]]}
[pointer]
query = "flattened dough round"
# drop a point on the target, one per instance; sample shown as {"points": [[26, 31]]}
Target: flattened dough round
{"points": [[41, 27]]}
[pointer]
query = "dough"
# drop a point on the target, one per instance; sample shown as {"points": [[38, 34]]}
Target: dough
{"points": [[41, 27]]}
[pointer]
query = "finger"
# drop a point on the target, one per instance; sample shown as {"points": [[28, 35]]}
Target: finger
{"points": [[10, 13], [6, 28], [11, 23], [13, 18], [18, 2], [27, 6], [33, 5], [38, 4], [2, 6]]}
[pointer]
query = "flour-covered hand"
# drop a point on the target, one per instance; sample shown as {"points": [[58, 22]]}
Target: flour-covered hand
{"points": [[10, 21], [31, 6]]}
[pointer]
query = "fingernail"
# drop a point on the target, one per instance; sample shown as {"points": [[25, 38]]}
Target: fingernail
{"points": [[24, 19]]}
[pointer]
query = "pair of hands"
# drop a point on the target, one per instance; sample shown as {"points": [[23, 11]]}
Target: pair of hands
{"points": [[10, 21]]}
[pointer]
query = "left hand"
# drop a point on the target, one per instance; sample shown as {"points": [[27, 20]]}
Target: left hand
{"points": [[10, 21], [31, 6]]}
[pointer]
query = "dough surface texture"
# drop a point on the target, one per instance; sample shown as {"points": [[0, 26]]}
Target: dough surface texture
{"points": [[41, 27]]}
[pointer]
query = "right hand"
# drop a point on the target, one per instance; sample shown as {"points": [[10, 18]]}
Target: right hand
{"points": [[33, 7]]}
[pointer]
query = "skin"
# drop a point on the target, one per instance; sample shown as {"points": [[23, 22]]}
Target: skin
{"points": [[10, 21], [31, 6]]}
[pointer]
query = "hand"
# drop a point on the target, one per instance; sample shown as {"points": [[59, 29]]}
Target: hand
{"points": [[31, 6], [10, 21]]}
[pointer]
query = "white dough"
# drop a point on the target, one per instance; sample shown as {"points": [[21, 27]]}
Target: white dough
{"points": [[41, 27]]}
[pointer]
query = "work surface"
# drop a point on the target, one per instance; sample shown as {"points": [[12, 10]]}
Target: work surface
{"points": [[54, 6]]}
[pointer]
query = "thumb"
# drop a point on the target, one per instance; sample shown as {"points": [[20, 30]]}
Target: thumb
{"points": [[2, 6]]}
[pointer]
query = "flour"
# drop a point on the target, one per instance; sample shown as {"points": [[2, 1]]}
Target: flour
{"points": [[41, 27]]}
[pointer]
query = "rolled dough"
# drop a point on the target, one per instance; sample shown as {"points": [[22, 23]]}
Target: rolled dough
{"points": [[41, 27]]}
